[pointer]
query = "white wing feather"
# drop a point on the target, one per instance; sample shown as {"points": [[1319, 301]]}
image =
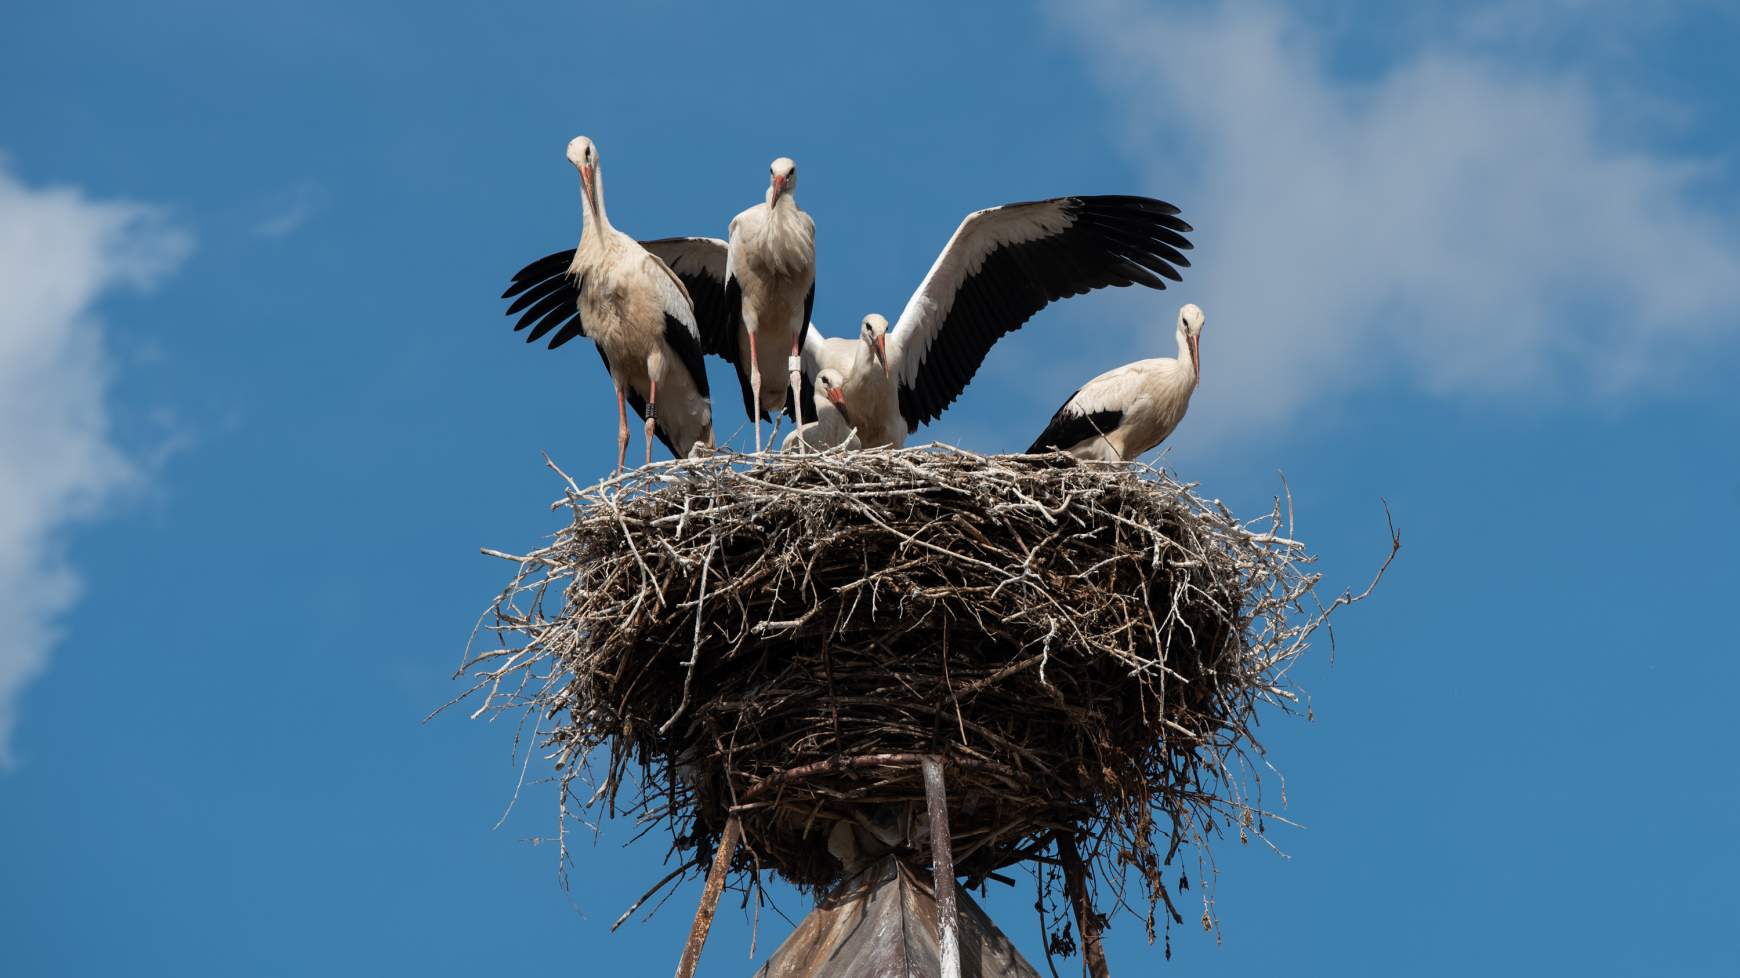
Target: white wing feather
{"points": [[673, 297], [982, 233]]}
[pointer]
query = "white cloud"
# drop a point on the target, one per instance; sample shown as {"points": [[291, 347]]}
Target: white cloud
{"points": [[60, 252], [1460, 218]]}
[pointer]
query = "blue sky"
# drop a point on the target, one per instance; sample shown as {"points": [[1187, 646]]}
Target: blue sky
{"points": [[259, 409]]}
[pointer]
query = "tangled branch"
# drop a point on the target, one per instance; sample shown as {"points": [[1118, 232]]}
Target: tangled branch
{"points": [[778, 638]]}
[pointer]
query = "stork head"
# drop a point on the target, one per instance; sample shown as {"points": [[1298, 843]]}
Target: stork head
{"points": [[874, 333], [830, 387], [781, 179], [1190, 320], [584, 155]]}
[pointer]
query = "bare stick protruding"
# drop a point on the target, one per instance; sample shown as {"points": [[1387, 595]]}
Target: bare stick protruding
{"points": [[948, 917], [709, 899]]}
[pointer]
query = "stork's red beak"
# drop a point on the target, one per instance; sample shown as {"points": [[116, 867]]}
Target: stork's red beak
{"points": [[1196, 358], [778, 188], [882, 354]]}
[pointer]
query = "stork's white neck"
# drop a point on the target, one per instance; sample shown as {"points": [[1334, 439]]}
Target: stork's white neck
{"points": [[596, 218], [871, 394], [1184, 356]]}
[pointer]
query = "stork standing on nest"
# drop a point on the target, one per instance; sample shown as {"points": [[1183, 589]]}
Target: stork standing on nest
{"points": [[1002, 266], [770, 288], [1124, 412], [636, 311]]}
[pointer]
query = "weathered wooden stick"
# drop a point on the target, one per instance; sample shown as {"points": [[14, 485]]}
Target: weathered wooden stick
{"points": [[837, 764], [1087, 924], [942, 858], [709, 899]]}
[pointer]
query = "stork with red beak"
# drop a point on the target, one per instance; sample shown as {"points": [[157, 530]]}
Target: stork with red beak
{"points": [[770, 288], [1123, 413], [834, 420], [865, 379], [642, 320], [1003, 265]]}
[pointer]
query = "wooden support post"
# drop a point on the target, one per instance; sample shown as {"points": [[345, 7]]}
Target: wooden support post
{"points": [[709, 899], [942, 858], [1087, 924]]}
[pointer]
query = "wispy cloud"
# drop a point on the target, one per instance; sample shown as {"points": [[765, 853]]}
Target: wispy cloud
{"points": [[60, 252], [1462, 218], [291, 209]]}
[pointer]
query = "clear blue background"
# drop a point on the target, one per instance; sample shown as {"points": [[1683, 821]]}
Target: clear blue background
{"points": [[1522, 757]]}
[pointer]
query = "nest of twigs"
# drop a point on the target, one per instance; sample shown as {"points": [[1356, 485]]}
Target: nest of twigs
{"points": [[780, 638]]}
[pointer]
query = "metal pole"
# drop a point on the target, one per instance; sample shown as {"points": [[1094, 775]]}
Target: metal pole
{"points": [[942, 858], [709, 899]]}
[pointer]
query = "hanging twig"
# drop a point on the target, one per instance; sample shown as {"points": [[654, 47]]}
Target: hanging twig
{"points": [[1087, 923]]}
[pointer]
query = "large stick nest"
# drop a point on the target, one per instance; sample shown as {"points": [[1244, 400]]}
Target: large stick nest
{"points": [[781, 637]]}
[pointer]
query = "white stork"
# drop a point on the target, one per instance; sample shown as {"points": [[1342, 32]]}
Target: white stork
{"points": [[1124, 412], [770, 288], [637, 312], [833, 424], [1001, 266]]}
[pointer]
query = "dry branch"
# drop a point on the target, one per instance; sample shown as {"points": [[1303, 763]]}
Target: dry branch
{"points": [[779, 639]]}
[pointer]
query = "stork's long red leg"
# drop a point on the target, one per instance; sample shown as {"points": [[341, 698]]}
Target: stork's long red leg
{"points": [[651, 418], [795, 365], [755, 389], [621, 427]]}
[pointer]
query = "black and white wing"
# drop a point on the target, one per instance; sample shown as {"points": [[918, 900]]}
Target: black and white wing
{"points": [[1007, 263], [1075, 423], [700, 263], [548, 298], [681, 333], [727, 338]]}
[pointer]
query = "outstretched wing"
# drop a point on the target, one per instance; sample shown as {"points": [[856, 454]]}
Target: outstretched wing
{"points": [[1007, 263], [548, 298]]}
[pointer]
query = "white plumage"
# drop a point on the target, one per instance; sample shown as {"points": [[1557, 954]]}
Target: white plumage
{"points": [[831, 427], [643, 322], [770, 288], [1131, 409], [866, 379], [1001, 266]]}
